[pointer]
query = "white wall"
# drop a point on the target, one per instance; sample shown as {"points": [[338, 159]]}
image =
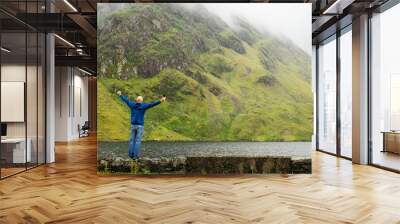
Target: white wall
{"points": [[81, 102], [71, 102], [61, 103]]}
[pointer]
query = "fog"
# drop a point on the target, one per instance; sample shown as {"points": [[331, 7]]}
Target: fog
{"points": [[289, 21]]}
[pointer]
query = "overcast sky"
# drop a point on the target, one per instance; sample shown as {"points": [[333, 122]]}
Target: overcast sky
{"points": [[290, 20]]}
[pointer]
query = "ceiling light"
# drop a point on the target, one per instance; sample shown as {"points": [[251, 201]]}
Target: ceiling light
{"points": [[70, 5], [5, 50], [65, 41], [84, 71]]}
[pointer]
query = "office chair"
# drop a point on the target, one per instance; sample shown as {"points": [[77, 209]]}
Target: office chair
{"points": [[84, 130]]}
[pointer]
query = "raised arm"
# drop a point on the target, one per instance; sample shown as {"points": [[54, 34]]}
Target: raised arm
{"points": [[126, 100], [152, 104]]}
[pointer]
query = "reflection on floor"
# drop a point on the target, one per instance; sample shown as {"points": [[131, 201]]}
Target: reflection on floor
{"points": [[10, 171], [387, 159]]}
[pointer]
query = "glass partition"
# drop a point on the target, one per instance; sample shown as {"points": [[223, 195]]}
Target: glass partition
{"points": [[385, 89], [31, 99], [327, 96], [14, 153], [22, 67]]}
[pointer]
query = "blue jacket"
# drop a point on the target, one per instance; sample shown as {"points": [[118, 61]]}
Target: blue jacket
{"points": [[138, 109]]}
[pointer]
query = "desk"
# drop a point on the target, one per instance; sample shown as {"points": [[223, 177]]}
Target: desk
{"points": [[391, 141], [16, 147]]}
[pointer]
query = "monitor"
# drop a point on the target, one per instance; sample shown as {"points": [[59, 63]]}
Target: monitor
{"points": [[3, 129]]}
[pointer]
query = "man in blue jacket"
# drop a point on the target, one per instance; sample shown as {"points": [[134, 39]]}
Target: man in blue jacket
{"points": [[138, 109]]}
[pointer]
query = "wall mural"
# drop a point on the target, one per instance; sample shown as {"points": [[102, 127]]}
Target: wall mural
{"points": [[204, 88]]}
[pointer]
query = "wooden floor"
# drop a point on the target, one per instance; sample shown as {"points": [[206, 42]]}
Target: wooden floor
{"points": [[69, 191]]}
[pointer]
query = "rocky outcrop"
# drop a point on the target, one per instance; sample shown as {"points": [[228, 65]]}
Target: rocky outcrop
{"points": [[245, 31], [152, 37], [215, 90], [267, 80], [267, 58], [232, 42], [199, 77]]}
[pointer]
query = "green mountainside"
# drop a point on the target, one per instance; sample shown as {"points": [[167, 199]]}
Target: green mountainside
{"points": [[221, 83]]}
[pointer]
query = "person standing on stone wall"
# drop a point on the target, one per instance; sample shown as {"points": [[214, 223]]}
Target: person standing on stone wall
{"points": [[138, 110]]}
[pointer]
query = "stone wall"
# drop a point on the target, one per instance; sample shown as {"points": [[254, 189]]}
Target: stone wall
{"points": [[205, 165]]}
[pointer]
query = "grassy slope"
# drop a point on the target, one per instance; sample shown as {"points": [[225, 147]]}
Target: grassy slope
{"points": [[111, 115]]}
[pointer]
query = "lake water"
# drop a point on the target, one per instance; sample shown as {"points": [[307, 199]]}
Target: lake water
{"points": [[295, 150]]}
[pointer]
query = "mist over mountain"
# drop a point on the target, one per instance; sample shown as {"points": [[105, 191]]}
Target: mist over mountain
{"points": [[223, 82]]}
